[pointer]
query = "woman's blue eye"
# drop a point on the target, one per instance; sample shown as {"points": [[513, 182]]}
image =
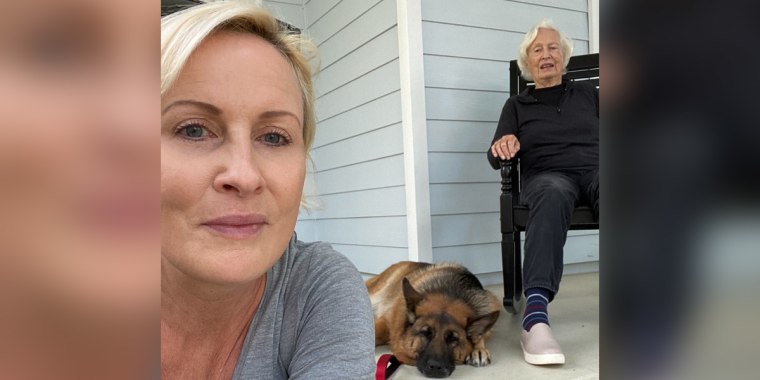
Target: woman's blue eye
{"points": [[193, 132], [274, 139]]}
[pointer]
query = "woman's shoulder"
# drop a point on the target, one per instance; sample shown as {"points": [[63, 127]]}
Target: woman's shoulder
{"points": [[321, 259], [320, 251], [584, 86]]}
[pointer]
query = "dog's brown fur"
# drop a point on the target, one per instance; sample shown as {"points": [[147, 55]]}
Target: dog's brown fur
{"points": [[433, 315]]}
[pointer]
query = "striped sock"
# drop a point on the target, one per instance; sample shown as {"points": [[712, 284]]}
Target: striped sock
{"points": [[536, 304]]}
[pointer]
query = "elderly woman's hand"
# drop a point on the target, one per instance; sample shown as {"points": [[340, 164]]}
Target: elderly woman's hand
{"points": [[506, 147]]}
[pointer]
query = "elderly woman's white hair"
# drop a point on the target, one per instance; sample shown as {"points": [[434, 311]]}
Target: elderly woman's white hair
{"points": [[566, 45], [183, 32]]}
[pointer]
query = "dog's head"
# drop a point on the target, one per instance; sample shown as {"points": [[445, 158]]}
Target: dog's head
{"points": [[439, 331]]}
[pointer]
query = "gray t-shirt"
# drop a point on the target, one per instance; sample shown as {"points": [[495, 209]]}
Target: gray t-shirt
{"points": [[314, 321]]}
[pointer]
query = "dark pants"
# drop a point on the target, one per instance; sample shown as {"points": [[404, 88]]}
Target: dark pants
{"points": [[551, 197]]}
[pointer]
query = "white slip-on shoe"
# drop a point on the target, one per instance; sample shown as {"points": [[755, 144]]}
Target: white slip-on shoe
{"points": [[539, 346]]}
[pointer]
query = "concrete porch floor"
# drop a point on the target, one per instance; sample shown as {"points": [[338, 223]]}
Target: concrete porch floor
{"points": [[574, 316]]}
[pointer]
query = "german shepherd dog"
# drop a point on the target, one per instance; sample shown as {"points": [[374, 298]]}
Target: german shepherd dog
{"points": [[433, 316]]}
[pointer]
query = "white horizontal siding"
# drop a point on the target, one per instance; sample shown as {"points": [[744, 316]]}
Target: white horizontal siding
{"points": [[358, 147], [372, 259], [371, 86], [478, 258], [349, 37], [467, 229], [504, 15], [314, 10], [383, 172], [470, 198], [380, 112], [496, 45], [458, 41], [449, 104], [461, 168], [379, 232], [388, 201], [343, 14], [380, 143], [288, 11], [375, 53], [448, 136], [306, 229], [472, 74], [576, 5]]}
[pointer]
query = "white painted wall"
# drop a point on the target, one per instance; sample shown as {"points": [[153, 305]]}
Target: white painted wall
{"points": [[358, 150], [290, 11]]}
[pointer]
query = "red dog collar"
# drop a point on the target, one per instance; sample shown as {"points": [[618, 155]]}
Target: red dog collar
{"points": [[386, 366]]}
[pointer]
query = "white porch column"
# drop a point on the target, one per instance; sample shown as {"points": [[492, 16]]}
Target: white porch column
{"points": [[414, 125]]}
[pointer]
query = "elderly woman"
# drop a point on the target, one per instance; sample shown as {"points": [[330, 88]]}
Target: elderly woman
{"points": [[242, 298], [554, 129]]}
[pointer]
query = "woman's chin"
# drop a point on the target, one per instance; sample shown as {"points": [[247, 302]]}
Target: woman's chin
{"points": [[234, 273], [223, 268]]}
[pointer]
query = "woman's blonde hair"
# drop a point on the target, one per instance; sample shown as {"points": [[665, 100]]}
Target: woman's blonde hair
{"points": [[566, 45], [184, 31]]}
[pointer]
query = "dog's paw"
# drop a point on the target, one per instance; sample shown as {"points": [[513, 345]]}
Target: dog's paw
{"points": [[479, 357]]}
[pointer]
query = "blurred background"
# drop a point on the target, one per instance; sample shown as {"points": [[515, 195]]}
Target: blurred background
{"points": [[680, 162]]}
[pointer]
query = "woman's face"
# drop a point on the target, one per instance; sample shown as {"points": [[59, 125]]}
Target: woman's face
{"points": [[232, 161], [545, 59], [78, 156]]}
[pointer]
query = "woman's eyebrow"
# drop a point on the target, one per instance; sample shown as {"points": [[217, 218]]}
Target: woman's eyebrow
{"points": [[210, 108], [278, 113]]}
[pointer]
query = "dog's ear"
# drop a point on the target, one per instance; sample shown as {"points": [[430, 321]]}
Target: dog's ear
{"points": [[412, 297], [477, 326]]}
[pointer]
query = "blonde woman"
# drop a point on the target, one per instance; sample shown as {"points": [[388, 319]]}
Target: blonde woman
{"points": [[242, 298]]}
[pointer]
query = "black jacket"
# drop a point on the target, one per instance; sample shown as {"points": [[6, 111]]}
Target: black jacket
{"points": [[553, 138]]}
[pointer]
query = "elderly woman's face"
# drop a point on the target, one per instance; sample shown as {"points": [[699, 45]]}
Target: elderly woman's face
{"points": [[545, 59], [232, 161]]}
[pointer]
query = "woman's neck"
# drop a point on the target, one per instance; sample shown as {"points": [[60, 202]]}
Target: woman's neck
{"points": [[548, 82], [203, 326]]}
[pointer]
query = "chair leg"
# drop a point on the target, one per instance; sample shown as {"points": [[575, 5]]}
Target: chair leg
{"points": [[517, 295], [508, 268]]}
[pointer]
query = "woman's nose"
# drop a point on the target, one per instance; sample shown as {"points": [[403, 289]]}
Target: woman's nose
{"points": [[240, 174]]}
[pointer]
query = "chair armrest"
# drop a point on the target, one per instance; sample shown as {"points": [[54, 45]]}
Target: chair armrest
{"points": [[511, 162]]}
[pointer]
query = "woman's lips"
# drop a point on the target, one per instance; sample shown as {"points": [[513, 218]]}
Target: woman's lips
{"points": [[238, 226]]}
